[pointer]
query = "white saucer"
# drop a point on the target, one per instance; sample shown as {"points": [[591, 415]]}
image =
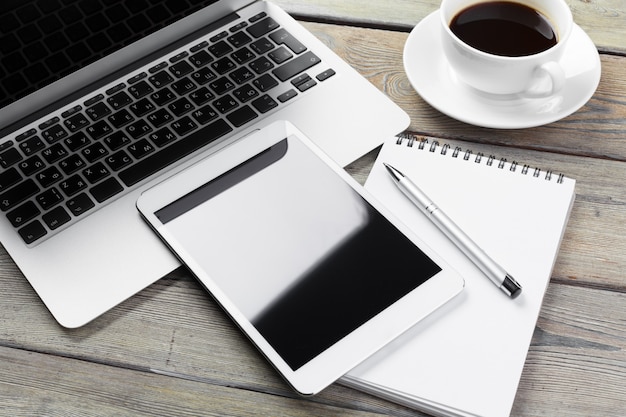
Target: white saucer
{"points": [[430, 75]]}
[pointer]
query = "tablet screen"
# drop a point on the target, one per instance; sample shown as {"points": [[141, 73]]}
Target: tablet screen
{"points": [[303, 256]]}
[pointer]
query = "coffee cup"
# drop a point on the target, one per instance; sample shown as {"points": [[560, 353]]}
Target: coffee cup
{"points": [[505, 48]]}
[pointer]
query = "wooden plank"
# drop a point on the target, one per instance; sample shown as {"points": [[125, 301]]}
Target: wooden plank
{"points": [[38, 384], [594, 130], [577, 364], [593, 16]]}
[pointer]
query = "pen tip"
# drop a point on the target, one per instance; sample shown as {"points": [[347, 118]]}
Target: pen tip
{"points": [[394, 172], [511, 287]]}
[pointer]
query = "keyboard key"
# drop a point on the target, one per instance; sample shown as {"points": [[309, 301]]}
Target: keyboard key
{"points": [[181, 69], [204, 114], [48, 176], [177, 150], [17, 194], [120, 118], [31, 165], [142, 107], [323, 76], [54, 133], [116, 140], [223, 66], [203, 76], [49, 198], [140, 149], [296, 66], [303, 86], [94, 152], [119, 100], [93, 100], [261, 65], [138, 129], [183, 86], [201, 96], [282, 37], [163, 96], [32, 232], [239, 39], [54, 153], [98, 111], [72, 185], [220, 49], [25, 135], [245, 93], [56, 218], [99, 129], [71, 164], [76, 122], [262, 46], [96, 172], [180, 107], [262, 27], [80, 204], [160, 79], [241, 75], [265, 83], [225, 104], [160, 118], [23, 214], [287, 95], [178, 57], [222, 85], [9, 157], [264, 103], [8, 178], [48, 123], [200, 59], [106, 190], [242, 116], [32, 145], [280, 55], [140, 89], [183, 126], [118, 160], [243, 55], [162, 137], [77, 141]]}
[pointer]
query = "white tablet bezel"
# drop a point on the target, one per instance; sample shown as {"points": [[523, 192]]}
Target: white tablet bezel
{"points": [[334, 362]]}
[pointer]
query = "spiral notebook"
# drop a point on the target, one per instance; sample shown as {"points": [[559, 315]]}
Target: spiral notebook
{"points": [[467, 358]]}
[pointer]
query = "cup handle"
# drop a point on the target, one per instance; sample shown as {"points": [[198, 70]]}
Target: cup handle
{"points": [[547, 80]]}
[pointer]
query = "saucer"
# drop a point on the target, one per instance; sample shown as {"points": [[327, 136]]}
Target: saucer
{"points": [[433, 79]]}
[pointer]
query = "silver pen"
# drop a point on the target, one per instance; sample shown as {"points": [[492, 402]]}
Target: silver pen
{"points": [[489, 267]]}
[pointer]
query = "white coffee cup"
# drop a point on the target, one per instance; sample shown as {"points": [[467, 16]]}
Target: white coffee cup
{"points": [[536, 75]]}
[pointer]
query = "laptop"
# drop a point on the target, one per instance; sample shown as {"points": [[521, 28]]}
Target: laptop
{"points": [[101, 99]]}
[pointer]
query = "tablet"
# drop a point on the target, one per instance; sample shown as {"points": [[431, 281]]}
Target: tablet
{"points": [[312, 269]]}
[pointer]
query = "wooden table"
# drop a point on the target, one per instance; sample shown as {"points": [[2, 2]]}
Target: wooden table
{"points": [[170, 350]]}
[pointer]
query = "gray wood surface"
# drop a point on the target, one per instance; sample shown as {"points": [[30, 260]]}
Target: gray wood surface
{"points": [[170, 350]]}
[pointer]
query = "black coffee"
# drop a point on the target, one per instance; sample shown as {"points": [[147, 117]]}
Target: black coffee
{"points": [[504, 28]]}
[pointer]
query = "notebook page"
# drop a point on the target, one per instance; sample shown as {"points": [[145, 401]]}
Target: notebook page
{"points": [[467, 358]]}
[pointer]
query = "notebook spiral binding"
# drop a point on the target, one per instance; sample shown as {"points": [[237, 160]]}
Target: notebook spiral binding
{"points": [[433, 146]]}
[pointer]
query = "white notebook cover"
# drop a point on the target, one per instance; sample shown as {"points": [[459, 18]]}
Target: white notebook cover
{"points": [[467, 358]]}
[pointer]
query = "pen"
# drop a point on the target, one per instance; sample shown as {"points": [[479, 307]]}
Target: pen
{"points": [[489, 267]]}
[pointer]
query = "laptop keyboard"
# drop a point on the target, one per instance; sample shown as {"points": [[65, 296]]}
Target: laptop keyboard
{"points": [[98, 148]]}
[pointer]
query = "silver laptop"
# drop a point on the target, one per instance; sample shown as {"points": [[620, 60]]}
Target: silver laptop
{"points": [[101, 99]]}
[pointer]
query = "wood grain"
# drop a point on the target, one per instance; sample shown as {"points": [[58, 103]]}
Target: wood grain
{"points": [[604, 21]]}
